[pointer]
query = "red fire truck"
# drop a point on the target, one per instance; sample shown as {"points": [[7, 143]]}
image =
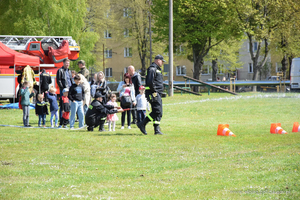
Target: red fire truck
{"points": [[51, 50]]}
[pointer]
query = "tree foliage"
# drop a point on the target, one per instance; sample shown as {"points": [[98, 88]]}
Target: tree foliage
{"points": [[261, 20], [199, 23], [48, 18]]}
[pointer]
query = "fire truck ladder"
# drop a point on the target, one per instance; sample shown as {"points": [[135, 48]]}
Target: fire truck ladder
{"points": [[19, 42]]}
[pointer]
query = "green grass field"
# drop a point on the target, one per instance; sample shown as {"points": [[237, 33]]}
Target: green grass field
{"points": [[189, 162]]}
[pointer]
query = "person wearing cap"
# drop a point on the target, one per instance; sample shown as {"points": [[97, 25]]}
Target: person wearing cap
{"points": [[137, 82], [83, 70], [97, 112], [154, 89], [65, 109], [141, 104]]}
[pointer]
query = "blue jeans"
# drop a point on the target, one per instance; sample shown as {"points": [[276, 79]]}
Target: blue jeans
{"points": [[42, 118], [141, 114], [76, 107], [54, 113], [25, 115], [85, 108]]}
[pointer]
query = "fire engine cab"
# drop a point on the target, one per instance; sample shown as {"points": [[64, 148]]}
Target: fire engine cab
{"points": [[51, 50]]}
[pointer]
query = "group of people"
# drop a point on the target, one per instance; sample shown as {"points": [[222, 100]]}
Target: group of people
{"points": [[76, 93]]}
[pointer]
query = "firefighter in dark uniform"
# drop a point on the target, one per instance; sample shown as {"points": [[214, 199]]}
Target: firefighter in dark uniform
{"points": [[97, 112], [154, 88]]}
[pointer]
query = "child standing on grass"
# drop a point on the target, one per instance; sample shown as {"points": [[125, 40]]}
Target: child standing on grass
{"points": [[41, 110], [76, 96], [112, 118], [52, 97], [141, 104], [65, 108], [25, 102]]}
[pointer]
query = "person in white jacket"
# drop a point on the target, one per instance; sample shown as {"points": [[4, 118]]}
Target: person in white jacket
{"points": [[141, 104], [126, 89], [87, 94]]}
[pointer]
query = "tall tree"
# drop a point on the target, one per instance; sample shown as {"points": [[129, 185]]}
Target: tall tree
{"points": [[133, 27], [199, 23], [260, 20], [287, 36]]}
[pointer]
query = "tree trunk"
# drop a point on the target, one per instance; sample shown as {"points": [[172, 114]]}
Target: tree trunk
{"points": [[198, 63], [214, 72], [284, 63], [214, 69], [290, 66]]}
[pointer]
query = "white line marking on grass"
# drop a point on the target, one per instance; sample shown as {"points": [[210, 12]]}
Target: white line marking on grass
{"points": [[238, 97], [14, 126]]}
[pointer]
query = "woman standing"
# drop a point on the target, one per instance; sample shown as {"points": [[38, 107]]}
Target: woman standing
{"points": [[100, 86], [126, 89], [87, 94]]}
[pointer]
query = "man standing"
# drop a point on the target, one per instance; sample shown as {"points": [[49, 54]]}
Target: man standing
{"points": [[64, 79], [137, 82], [64, 76], [154, 88], [83, 70]]}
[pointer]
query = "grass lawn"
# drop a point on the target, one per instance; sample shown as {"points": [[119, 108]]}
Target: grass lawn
{"points": [[188, 162]]}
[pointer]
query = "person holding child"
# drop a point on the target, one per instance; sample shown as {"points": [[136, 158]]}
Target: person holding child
{"points": [[112, 118], [52, 98], [25, 102], [97, 112], [141, 104], [65, 109], [41, 110]]}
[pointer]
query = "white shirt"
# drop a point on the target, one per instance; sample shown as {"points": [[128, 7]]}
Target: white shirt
{"points": [[141, 102]]}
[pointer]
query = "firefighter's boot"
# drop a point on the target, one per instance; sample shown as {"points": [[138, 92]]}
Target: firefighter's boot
{"points": [[90, 128], [101, 127], [157, 130], [142, 125]]}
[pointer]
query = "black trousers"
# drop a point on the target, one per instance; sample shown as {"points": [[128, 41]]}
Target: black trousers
{"points": [[134, 114], [156, 105], [124, 115]]}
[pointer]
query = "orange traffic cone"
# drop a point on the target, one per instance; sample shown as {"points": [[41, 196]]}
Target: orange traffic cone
{"points": [[276, 129], [296, 127], [223, 130]]}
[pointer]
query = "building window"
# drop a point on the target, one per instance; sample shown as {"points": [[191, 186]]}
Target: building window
{"points": [[107, 34], [254, 46], [278, 67], [127, 52], [127, 32], [108, 72], [180, 70], [126, 12], [125, 70], [221, 70], [166, 69], [108, 53], [250, 68], [205, 69]]}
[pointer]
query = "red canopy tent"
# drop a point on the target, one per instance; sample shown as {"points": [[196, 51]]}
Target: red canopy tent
{"points": [[13, 58]]}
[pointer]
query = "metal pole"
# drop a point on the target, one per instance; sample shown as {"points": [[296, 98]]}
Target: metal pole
{"points": [[103, 62], [14, 84], [150, 35], [171, 48], [39, 80]]}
